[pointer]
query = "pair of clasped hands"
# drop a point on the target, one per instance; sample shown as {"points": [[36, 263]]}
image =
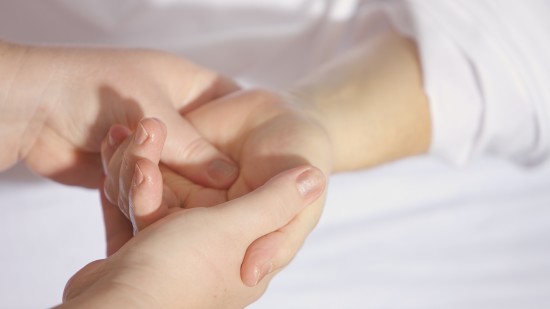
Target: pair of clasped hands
{"points": [[207, 189]]}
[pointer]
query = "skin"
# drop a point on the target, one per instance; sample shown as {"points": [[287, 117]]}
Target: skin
{"points": [[260, 132], [57, 104], [364, 109], [176, 262], [371, 103]]}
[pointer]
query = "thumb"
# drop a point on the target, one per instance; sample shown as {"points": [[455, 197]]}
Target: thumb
{"points": [[274, 204], [188, 153]]}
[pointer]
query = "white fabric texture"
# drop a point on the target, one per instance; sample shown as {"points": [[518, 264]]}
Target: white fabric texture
{"points": [[492, 95], [413, 234]]}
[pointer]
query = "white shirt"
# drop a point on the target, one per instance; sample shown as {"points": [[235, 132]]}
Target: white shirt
{"points": [[486, 71]]}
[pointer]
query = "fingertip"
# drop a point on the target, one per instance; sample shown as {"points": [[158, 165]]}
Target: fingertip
{"points": [[222, 173], [308, 181], [253, 275], [115, 136], [311, 183], [150, 129], [161, 124], [270, 213], [260, 259], [190, 154]]}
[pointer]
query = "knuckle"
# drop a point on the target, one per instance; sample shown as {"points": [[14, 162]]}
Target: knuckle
{"points": [[195, 149]]}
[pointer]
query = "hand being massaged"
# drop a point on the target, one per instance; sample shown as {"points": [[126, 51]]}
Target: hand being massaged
{"points": [[259, 130]]}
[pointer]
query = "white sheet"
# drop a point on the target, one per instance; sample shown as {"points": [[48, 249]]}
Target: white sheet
{"points": [[414, 234], [417, 234]]}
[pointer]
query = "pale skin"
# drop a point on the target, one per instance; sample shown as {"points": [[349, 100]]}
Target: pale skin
{"points": [[362, 110], [192, 257], [365, 109], [57, 104]]}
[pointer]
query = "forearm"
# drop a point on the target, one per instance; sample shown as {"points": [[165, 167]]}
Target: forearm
{"points": [[25, 75], [371, 103]]}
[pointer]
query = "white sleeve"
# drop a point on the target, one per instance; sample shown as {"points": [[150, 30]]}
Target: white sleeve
{"points": [[486, 68]]}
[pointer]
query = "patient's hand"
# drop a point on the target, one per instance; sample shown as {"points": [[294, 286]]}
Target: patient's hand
{"points": [[260, 131]]}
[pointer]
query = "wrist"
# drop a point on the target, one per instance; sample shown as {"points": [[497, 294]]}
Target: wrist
{"points": [[23, 108], [308, 100], [306, 106], [371, 102]]}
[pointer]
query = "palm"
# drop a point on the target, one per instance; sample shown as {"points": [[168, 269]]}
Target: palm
{"points": [[260, 132], [264, 135]]}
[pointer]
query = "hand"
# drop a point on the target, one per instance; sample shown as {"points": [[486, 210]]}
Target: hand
{"points": [[260, 131], [71, 98], [191, 258]]}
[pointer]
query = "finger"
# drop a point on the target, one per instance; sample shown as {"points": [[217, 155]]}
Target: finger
{"points": [[117, 134], [112, 172], [147, 142], [275, 204], [274, 251], [189, 154], [118, 229], [146, 195]]}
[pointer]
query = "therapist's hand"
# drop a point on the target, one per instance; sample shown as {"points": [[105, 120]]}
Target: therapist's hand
{"points": [[57, 104], [192, 257], [265, 135]]}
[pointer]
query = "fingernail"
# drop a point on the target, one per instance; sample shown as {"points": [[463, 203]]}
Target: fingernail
{"points": [[261, 271], [221, 170], [138, 176], [310, 183], [141, 134], [116, 136]]}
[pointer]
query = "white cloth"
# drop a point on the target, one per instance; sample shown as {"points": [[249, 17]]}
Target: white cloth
{"points": [[414, 234], [486, 70]]}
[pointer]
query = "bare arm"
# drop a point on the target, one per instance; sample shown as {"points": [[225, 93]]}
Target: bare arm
{"points": [[21, 84], [371, 103]]}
